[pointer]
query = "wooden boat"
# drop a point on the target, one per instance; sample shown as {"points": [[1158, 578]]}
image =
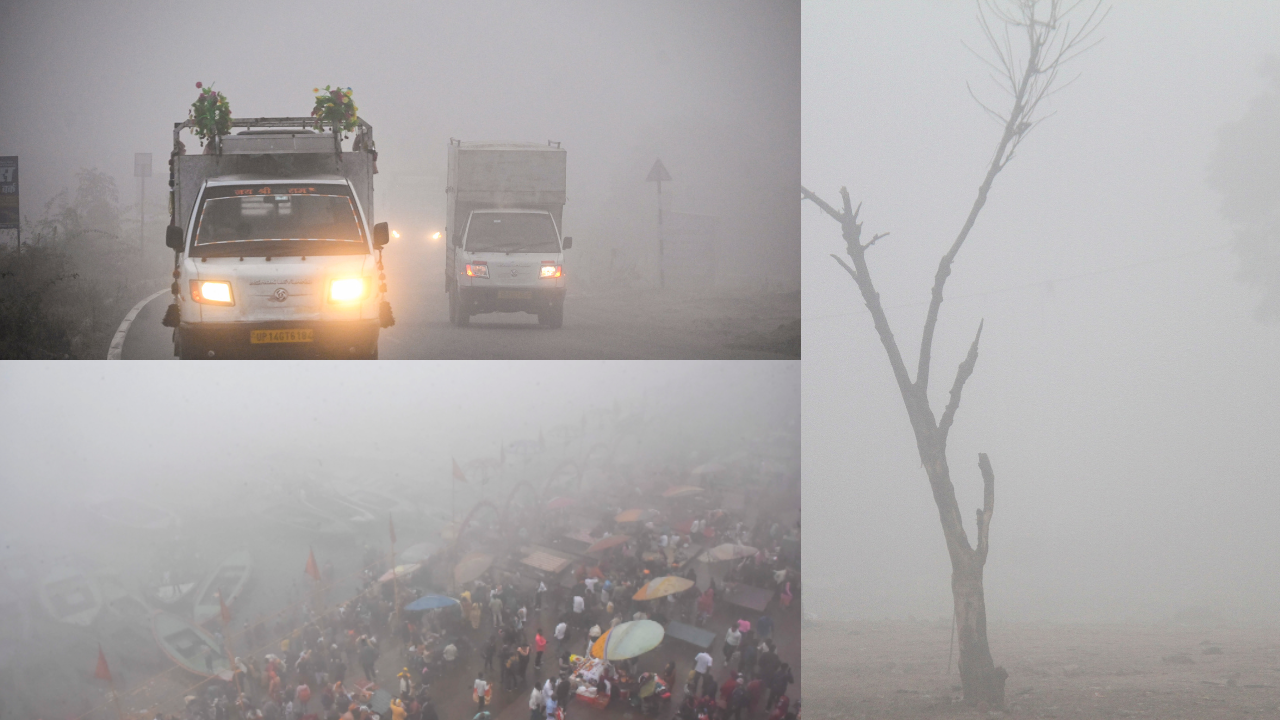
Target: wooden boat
{"points": [[229, 578], [335, 506], [294, 516], [190, 646], [170, 593], [378, 502], [117, 599], [134, 514], [70, 597]]}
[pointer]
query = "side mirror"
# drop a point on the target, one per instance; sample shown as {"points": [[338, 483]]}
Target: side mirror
{"points": [[568, 243], [381, 235], [173, 238]]}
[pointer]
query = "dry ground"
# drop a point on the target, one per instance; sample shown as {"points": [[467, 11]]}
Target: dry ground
{"points": [[898, 670]]}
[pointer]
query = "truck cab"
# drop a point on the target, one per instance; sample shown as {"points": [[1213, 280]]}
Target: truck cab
{"points": [[505, 249], [277, 258]]}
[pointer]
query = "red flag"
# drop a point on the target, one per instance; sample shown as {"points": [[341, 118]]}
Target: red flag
{"points": [[457, 471], [312, 568], [102, 672], [226, 611], [392, 523]]}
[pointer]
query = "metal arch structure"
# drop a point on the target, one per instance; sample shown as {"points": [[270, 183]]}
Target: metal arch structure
{"points": [[506, 506], [466, 522], [577, 475]]}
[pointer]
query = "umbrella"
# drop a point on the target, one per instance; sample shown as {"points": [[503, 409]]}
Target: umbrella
{"points": [[662, 587], [471, 566], [415, 553], [728, 551], [606, 543], [681, 491], [399, 571], [707, 469], [628, 640], [430, 602], [559, 503], [632, 515]]}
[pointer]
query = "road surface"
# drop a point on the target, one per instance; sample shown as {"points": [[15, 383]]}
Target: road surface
{"points": [[623, 324]]}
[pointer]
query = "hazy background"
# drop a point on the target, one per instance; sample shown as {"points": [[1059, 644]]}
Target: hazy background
{"points": [[187, 438], [710, 88], [1126, 393]]}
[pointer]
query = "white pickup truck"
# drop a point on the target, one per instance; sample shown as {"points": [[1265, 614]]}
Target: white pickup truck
{"points": [[276, 252], [504, 251]]}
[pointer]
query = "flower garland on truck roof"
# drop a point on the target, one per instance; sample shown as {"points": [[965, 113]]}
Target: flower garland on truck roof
{"points": [[211, 114], [334, 108]]}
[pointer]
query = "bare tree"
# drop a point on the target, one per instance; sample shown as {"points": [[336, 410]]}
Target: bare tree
{"points": [[1027, 75]]}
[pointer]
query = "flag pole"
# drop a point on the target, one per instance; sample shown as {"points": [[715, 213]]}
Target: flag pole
{"points": [[115, 698]]}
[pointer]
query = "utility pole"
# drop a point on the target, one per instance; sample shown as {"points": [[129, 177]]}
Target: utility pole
{"points": [[659, 174]]}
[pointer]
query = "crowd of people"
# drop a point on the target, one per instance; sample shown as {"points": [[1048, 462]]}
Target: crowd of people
{"points": [[513, 633]]}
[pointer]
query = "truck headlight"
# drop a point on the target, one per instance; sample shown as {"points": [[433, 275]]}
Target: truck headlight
{"points": [[552, 271], [211, 292], [478, 269], [348, 289]]}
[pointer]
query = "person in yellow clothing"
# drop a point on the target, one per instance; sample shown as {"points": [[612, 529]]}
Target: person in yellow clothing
{"points": [[397, 710]]}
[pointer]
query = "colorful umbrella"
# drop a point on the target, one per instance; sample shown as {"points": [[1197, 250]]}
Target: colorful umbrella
{"points": [[471, 567], [416, 553], [628, 640], [560, 503], [605, 543], [728, 551], [430, 602], [681, 491], [399, 572], [632, 515], [662, 587]]}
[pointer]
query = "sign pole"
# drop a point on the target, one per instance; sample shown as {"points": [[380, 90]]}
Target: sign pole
{"points": [[658, 173]]}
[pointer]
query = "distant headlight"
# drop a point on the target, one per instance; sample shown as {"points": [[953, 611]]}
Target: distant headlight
{"points": [[477, 270], [552, 271], [211, 292], [348, 290]]}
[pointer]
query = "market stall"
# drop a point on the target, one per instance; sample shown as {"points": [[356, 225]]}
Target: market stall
{"points": [[746, 596]]}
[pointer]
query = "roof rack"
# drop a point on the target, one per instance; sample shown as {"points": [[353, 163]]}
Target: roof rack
{"points": [[364, 131]]}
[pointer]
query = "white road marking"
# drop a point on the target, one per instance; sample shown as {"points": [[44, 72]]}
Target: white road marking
{"points": [[117, 342]]}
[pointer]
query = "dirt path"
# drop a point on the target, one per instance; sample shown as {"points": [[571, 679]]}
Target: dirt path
{"points": [[898, 670]]}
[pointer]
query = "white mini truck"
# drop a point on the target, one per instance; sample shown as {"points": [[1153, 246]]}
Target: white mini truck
{"points": [[504, 251], [276, 254]]}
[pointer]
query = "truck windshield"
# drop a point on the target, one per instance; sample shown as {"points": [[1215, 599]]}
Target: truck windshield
{"points": [[278, 220], [512, 232]]}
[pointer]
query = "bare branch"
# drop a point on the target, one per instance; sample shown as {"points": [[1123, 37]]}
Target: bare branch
{"points": [[874, 238], [962, 376], [852, 273], [988, 506], [806, 194]]}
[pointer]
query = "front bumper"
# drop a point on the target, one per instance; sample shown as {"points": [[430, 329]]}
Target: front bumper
{"points": [[331, 339], [476, 300]]}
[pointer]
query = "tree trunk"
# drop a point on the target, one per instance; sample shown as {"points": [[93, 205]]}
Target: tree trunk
{"points": [[981, 680]]}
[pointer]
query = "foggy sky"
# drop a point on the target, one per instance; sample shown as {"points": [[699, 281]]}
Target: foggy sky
{"points": [[1127, 397], [70, 432], [710, 88]]}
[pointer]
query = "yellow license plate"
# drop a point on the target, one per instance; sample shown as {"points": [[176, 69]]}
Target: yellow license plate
{"points": [[514, 294], [281, 336]]}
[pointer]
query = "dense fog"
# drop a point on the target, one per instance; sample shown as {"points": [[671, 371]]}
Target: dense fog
{"points": [[710, 89], [140, 478], [1126, 387]]}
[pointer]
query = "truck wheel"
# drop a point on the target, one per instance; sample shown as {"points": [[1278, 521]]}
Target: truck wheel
{"points": [[555, 317], [457, 315], [184, 351]]}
